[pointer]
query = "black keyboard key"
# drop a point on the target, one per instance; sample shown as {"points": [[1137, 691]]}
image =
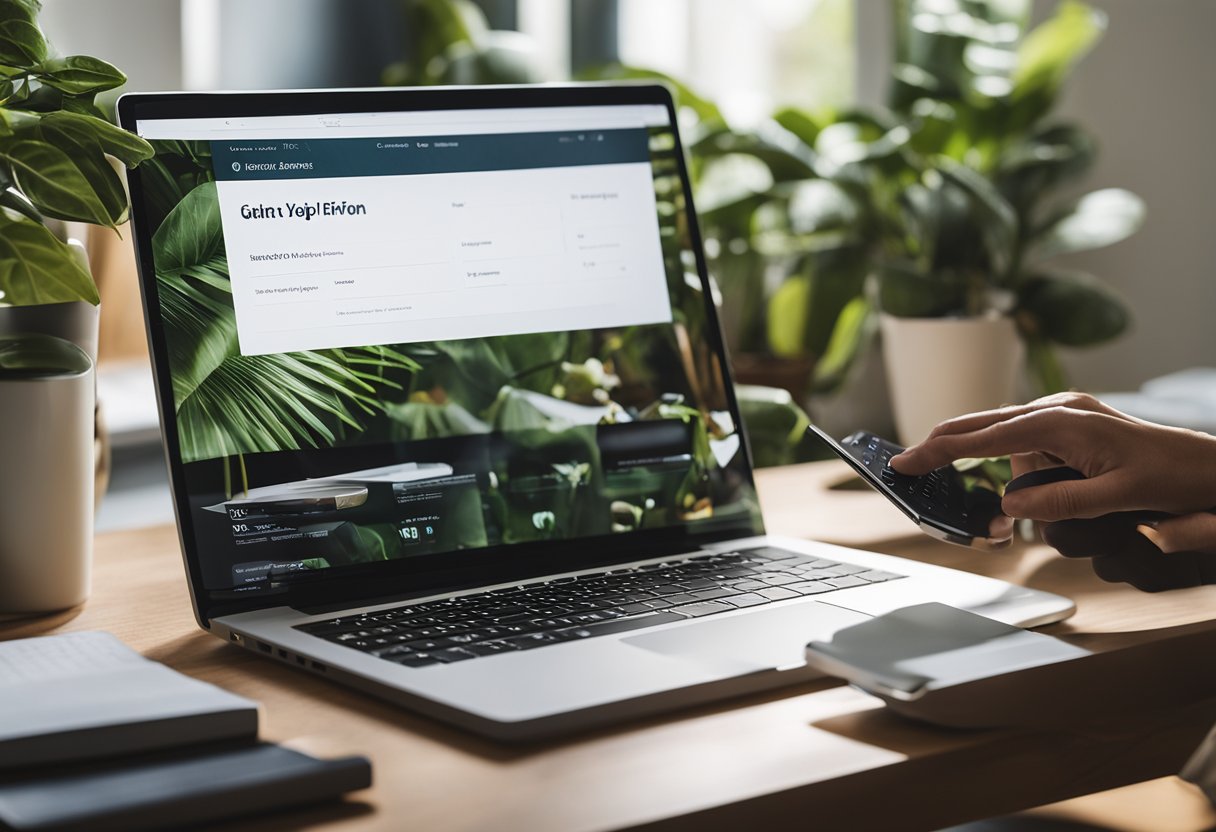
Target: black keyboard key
{"points": [[710, 594], [635, 608], [413, 659], [668, 589], [490, 648], [452, 654], [682, 598], [531, 640]]}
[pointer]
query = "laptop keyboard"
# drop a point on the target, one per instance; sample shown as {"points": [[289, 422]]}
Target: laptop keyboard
{"points": [[584, 606]]}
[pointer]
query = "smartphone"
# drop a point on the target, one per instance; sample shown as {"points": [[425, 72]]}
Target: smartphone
{"points": [[940, 502]]}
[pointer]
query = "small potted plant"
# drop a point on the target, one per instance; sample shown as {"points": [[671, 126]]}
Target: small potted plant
{"points": [[58, 159], [965, 221]]}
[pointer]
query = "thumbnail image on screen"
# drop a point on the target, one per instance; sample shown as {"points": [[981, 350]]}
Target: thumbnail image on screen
{"points": [[323, 421]]}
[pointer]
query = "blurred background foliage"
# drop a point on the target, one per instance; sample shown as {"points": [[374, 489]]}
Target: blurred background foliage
{"points": [[943, 203]]}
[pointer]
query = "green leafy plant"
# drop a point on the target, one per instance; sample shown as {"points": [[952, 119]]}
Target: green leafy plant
{"points": [[958, 180], [450, 42], [229, 404], [939, 205], [57, 154]]}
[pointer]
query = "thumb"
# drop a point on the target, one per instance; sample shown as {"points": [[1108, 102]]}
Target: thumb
{"points": [[1188, 533], [1066, 500]]}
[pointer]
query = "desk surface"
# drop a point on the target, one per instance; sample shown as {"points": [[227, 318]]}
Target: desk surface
{"points": [[771, 760]]}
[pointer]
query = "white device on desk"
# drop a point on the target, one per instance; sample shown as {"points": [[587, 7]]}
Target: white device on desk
{"points": [[508, 282]]}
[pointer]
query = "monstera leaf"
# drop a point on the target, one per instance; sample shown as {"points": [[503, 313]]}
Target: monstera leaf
{"points": [[228, 403]]}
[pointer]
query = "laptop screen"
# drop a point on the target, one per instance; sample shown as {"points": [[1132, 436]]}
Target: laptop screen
{"points": [[411, 336]]}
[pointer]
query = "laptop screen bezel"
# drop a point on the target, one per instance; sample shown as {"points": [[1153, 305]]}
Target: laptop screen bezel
{"points": [[495, 564]]}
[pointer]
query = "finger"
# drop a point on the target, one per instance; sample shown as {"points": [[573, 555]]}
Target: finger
{"points": [[1038, 431], [1000, 528], [976, 421], [1188, 533], [1069, 499], [1025, 463]]}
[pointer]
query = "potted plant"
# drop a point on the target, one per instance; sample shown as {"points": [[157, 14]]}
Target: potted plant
{"points": [[57, 155], [58, 158], [950, 194]]}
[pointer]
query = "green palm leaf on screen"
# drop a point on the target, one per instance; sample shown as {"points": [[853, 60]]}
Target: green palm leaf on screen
{"points": [[228, 403]]}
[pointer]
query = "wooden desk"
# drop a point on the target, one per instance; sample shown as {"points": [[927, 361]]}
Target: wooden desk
{"points": [[816, 756]]}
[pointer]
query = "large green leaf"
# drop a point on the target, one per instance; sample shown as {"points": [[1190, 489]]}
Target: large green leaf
{"points": [[819, 205], [21, 42], [1098, 219], [905, 292], [998, 222], [1048, 54], [773, 421], [855, 326], [36, 267], [429, 420], [66, 187], [803, 312], [799, 122], [729, 180], [192, 233], [786, 157], [228, 403], [473, 371], [14, 201], [90, 132], [1072, 308], [80, 75], [1028, 168]]}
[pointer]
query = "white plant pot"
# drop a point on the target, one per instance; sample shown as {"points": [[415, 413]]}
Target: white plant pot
{"points": [[48, 462], [938, 368], [46, 491]]}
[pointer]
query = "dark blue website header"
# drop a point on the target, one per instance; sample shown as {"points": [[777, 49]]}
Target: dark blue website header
{"points": [[398, 156]]}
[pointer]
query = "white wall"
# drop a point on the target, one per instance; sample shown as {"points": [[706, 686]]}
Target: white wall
{"points": [[1145, 92], [140, 37]]}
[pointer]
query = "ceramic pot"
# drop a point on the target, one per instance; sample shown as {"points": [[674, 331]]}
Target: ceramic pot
{"points": [[938, 368], [46, 487]]}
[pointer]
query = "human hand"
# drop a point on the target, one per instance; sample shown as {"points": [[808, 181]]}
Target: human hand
{"points": [[1130, 466]]}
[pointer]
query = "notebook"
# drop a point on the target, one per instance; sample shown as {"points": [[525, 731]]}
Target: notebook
{"points": [[81, 696]]}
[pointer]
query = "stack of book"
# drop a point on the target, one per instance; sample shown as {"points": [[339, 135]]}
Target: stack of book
{"points": [[94, 736]]}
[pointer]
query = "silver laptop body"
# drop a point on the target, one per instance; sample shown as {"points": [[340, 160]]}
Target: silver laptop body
{"points": [[448, 415]]}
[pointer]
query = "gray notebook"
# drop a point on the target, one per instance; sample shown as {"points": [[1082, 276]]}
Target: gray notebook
{"points": [[80, 696], [168, 793]]}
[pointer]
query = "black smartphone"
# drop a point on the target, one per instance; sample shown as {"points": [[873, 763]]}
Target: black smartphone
{"points": [[940, 502]]}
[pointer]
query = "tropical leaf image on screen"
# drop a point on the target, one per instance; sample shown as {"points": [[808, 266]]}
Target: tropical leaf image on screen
{"points": [[228, 403]]}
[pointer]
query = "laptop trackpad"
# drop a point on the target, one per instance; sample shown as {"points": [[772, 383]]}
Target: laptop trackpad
{"points": [[761, 640]]}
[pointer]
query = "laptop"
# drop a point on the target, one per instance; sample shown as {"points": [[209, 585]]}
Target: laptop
{"points": [[448, 414]]}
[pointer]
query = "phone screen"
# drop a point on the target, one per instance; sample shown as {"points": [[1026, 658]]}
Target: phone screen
{"points": [[942, 502]]}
